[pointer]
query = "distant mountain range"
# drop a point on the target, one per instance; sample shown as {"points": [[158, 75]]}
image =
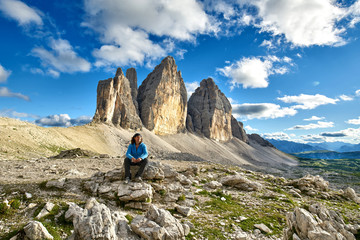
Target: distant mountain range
{"points": [[325, 150]]}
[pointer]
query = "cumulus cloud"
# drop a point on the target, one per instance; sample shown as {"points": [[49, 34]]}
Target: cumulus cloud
{"points": [[4, 74], [314, 118], [254, 72], [13, 114], [355, 121], [62, 120], [306, 101], [357, 93], [250, 129], [276, 135], [20, 12], [5, 92], [349, 135], [61, 58], [302, 23], [346, 98], [261, 111], [333, 134], [191, 87], [126, 26], [319, 124]]}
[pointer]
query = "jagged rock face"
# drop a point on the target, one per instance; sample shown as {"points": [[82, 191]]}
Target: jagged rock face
{"points": [[238, 130], [162, 99], [256, 138], [209, 112], [115, 103], [132, 76]]}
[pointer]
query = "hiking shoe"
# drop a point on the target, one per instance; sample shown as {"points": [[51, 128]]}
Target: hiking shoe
{"points": [[138, 179], [127, 180]]}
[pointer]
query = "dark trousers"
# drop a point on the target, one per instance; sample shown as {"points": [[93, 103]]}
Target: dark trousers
{"points": [[127, 163]]}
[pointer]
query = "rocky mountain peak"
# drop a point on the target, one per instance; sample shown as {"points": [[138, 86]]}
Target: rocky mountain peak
{"points": [[132, 76], [162, 99], [115, 104], [209, 112]]}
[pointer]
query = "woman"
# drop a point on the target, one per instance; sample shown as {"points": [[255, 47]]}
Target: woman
{"points": [[136, 155]]}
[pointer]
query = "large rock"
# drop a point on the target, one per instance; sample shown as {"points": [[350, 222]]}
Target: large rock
{"points": [[158, 224], [308, 184], [209, 112], [115, 103], [97, 221], [316, 224], [132, 76], [238, 131], [34, 230], [259, 140], [162, 99], [241, 182]]}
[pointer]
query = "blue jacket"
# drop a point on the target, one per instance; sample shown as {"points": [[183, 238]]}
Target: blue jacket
{"points": [[141, 152]]}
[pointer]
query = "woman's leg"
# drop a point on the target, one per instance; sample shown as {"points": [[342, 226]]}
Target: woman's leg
{"points": [[142, 164], [127, 163]]}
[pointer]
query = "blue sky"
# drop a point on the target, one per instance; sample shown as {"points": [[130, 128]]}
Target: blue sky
{"points": [[290, 68]]}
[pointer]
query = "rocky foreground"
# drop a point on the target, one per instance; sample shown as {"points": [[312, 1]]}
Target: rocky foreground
{"points": [[176, 200]]}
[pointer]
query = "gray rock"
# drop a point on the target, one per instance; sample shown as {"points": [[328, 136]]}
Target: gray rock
{"points": [[238, 131], [58, 183], [213, 185], [310, 183], [241, 182], [34, 230], [158, 224], [259, 140], [46, 210], [263, 228], [351, 194], [209, 112], [135, 192], [115, 104], [162, 99], [186, 211], [132, 76]]}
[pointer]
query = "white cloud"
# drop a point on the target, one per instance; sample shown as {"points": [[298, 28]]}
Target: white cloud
{"points": [[306, 101], [316, 83], [314, 118], [276, 135], [61, 58], [250, 129], [125, 27], [13, 114], [191, 87], [62, 120], [5, 92], [254, 72], [346, 98], [317, 125], [355, 121], [357, 93], [302, 23], [20, 12], [261, 110], [349, 135], [4, 74]]}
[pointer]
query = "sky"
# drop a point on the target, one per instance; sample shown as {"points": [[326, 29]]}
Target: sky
{"points": [[289, 68]]}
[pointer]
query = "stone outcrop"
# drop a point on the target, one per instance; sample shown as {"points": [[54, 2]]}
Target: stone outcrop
{"points": [[115, 103], [317, 223], [162, 99], [237, 129], [209, 112], [259, 140], [310, 185], [241, 182], [132, 76]]}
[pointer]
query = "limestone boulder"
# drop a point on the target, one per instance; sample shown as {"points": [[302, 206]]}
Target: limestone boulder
{"points": [[135, 192], [35, 230], [158, 224], [317, 223], [97, 221], [238, 131], [308, 184], [351, 194], [115, 103], [241, 182], [162, 99], [209, 112]]}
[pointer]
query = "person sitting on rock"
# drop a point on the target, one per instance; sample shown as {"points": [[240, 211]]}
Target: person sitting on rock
{"points": [[136, 155]]}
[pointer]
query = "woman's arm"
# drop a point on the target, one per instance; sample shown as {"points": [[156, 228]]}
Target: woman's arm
{"points": [[144, 151], [128, 152]]}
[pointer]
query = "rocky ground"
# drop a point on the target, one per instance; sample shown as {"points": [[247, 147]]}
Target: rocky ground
{"points": [[85, 198]]}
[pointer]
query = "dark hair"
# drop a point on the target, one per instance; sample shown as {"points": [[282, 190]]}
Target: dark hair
{"points": [[133, 138]]}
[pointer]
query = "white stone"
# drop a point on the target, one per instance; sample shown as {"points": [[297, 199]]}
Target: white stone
{"points": [[34, 230]]}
